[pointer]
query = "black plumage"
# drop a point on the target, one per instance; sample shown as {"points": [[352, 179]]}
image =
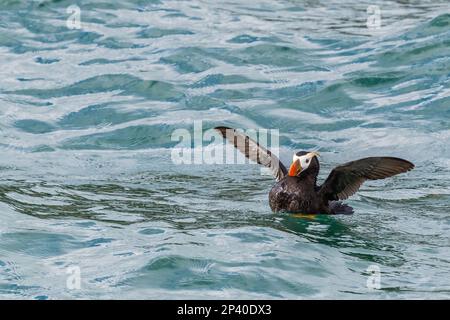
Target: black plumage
{"points": [[296, 190]]}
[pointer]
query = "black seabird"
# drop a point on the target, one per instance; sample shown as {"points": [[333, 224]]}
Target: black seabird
{"points": [[297, 191]]}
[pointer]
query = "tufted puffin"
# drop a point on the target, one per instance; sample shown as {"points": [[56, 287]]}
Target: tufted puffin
{"points": [[296, 189]]}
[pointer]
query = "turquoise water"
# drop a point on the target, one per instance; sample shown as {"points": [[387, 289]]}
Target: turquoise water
{"points": [[87, 181]]}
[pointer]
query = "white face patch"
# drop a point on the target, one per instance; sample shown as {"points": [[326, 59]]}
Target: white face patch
{"points": [[305, 161]]}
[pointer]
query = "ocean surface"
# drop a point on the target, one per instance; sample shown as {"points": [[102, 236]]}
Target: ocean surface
{"points": [[92, 205]]}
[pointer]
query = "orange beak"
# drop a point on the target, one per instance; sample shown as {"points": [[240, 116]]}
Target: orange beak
{"points": [[295, 168]]}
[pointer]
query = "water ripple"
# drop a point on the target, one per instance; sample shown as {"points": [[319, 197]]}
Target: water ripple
{"points": [[86, 123]]}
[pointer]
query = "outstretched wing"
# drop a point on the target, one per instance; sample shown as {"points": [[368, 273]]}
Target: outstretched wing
{"points": [[252, 150], [346, 179]]}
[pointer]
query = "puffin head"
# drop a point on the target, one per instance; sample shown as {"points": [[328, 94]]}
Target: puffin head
{"points": [[303, 161]]}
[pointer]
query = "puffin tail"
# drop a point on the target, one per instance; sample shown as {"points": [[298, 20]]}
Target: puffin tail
{"points": [[337, 207]]}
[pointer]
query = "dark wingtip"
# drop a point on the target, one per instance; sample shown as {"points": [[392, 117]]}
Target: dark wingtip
{"points": [[404, 165], [408, 165], [222, 130], [411, 165]]}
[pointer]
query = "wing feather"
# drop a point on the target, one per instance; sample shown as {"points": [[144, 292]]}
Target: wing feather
{"points": [[346, 179], [252, 150]]}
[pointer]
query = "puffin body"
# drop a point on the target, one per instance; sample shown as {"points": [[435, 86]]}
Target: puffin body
{"points": [[296, 189], [294, 194]]}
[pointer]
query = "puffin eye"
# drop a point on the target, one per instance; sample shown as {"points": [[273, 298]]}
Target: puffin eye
{"points": [[307, 160]]}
